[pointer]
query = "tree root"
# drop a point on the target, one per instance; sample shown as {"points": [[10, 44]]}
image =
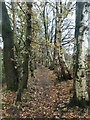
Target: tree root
{"points": [[74, 102]]}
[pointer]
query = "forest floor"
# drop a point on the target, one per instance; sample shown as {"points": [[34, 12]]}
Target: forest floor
{"points": [[41, 98]]}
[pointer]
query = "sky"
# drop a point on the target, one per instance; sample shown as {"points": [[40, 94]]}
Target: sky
{"points": [[0, 24], [73, 19]]}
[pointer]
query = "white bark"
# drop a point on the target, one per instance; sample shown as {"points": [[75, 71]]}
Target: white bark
{"points": [[81, 84]]}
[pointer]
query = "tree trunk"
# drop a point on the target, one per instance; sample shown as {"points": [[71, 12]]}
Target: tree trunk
{"points": [[55, 38], [88, 57], [9, 62], [28, 46], [46, 31], [63, 69], [23, 84], [79, 73]]}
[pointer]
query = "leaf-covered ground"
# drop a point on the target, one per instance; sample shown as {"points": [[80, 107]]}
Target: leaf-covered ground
{"points": [[41, 98]]}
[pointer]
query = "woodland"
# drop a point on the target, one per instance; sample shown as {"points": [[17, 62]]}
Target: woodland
{"points": [[45, 60]]}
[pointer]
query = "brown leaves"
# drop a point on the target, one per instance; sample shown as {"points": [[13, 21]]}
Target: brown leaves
{"points": [[41, 98]]}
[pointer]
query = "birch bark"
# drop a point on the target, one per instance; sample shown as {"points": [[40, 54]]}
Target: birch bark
{"points": [[79, 65]]}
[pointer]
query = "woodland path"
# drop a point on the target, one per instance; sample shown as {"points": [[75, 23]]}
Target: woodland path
{"points": [[41, 98], [44, 93]]}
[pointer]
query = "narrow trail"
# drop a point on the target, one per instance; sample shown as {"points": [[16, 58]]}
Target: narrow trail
{"points": [[41, 98], [43, 104]]}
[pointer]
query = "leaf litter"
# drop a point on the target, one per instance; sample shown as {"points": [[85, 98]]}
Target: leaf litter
{"points": [[41, 98]]}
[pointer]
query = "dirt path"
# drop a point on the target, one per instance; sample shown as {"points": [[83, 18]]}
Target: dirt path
{"points": [[44, 87], [41, 98]]}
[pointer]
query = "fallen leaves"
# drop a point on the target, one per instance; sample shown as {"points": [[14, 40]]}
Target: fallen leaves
{"points": [[41, 98]]}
